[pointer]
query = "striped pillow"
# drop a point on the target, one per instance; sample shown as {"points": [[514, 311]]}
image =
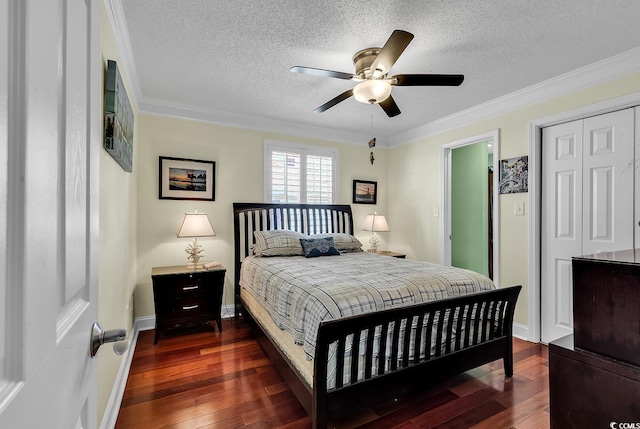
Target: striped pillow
{"points": [[277, 242]]}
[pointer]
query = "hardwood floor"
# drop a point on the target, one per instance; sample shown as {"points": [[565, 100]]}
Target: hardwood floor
{"points": [[224, 380]]}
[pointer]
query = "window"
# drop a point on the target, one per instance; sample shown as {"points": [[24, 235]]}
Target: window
{"points": [[296, 173]]}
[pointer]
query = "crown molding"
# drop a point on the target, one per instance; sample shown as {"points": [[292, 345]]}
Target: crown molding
{"points": [[179, 111], [115, 13], [600, 72], [127, 63]]}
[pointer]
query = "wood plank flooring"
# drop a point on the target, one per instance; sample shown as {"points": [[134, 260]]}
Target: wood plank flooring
{"points": [[224, 380]]}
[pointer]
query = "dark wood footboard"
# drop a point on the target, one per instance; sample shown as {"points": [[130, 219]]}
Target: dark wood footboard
{"points": [[457, 334], [480, 327]]}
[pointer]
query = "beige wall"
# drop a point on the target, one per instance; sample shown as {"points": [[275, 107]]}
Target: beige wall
{"points": [[116, 280], [239, 157], [414, 184]]}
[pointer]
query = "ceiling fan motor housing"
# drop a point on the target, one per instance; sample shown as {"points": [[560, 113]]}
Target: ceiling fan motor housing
{"points": [[362, 61]]}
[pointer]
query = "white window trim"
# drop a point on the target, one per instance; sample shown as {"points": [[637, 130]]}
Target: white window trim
{"points": [[271, 145]]}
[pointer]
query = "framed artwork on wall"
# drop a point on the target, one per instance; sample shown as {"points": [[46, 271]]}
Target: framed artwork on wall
{"points": [[186, 179], [365, 192], [118, 119], [514, 175]]}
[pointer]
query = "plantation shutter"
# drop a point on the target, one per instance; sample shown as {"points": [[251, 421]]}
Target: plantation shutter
{"points": [[300, 174]]}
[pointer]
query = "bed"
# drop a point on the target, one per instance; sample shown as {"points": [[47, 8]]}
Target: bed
{"points": [[398, 339]]}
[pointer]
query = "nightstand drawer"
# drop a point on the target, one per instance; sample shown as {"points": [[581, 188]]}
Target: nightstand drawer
{"points": [[189, 310], [187, 297], [186, 285]]}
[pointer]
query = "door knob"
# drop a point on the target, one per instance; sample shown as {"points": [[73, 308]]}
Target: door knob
{"points": [[115, 336]]}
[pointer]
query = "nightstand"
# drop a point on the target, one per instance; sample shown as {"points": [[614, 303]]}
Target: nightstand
{"points": [[187, 297], [392, 254]]}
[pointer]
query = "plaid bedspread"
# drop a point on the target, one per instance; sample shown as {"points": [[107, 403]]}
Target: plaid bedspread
{"points": [[300, 292]]}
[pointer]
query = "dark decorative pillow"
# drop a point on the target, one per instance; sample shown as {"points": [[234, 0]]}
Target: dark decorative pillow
{"points": [[313, 247]]}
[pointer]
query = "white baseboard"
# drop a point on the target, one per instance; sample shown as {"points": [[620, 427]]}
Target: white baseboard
{"points": [[113, 406], [141, 324], [522, 332], [145, 323]]}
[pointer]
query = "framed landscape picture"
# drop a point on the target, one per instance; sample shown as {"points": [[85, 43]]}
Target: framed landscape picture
{"points": [[187, 179], [118, 119], [365, 192]]}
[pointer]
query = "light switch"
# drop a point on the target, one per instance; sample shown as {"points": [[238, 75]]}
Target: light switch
{"points": [[518, 208], [436, 212]]}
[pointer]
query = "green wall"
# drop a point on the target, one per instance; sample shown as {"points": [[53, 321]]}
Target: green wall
{"points": [[469, 208]]}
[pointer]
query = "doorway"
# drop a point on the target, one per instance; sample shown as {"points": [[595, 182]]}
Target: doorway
{"points": [[461, 225]]}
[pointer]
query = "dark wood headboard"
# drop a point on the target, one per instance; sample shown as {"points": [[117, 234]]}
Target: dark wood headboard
{"points": [[305, 218]]}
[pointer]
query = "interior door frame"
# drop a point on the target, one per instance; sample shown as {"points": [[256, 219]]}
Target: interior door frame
{"points": [[492, 137], [535, 192]]}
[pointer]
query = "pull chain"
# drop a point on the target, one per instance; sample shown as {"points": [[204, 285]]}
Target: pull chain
{"points": [[372, 142]]}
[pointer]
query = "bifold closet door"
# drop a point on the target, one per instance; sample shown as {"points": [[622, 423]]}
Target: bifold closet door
{"points": [[587, 204]]}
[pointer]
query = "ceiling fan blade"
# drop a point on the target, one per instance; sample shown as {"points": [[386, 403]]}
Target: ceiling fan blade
{"points": [[390, 107], [390, 52], [334, 101], [428, 79], [322, 72]]}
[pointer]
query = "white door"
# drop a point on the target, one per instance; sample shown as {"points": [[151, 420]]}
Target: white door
{"points": [[587, 182], [608, 182], [561, 225], [49, 143]]}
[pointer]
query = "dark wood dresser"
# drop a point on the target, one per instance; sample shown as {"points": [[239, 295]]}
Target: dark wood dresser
{"points": [[594, 374], [187, 297]]}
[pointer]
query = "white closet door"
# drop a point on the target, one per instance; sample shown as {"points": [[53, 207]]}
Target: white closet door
{"points": [[561, 225], [588, 202], [608, 182]]}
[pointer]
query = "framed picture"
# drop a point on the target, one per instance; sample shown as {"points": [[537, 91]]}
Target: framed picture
{"points": [[118, 119], [365, 192], [187, 179], [514, 175]]}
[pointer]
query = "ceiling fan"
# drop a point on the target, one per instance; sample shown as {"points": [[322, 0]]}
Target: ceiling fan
{"points": [[372, 66]]}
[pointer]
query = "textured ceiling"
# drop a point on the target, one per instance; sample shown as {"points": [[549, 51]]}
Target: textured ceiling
{"points": [[232, 58]]}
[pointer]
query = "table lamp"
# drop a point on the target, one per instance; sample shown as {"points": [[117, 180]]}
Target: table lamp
{"points": [[195, 225], [375, 223]]}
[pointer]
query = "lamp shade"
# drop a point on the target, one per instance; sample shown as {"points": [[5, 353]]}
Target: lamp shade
{"points": [[372, 91], [195, 225], [375, 223]]}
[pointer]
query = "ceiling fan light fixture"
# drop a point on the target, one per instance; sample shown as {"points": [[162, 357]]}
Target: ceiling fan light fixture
{"points": [[372, 91]]}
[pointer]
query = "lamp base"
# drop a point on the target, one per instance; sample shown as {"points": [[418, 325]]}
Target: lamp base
{"points": [[374, 241], [195, 252]]}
